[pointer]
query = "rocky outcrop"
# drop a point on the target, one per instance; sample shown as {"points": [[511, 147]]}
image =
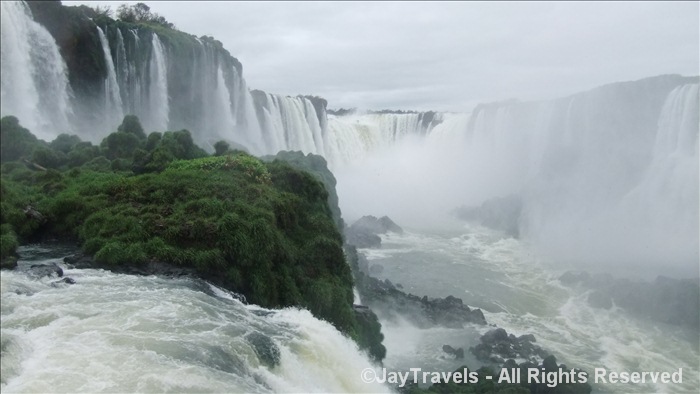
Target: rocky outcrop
{"points": [[45, 270], [364, 233], [497, 346], [458, 353]]}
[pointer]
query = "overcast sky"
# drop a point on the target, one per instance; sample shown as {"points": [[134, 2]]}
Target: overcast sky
{"points": [[443, 55]]}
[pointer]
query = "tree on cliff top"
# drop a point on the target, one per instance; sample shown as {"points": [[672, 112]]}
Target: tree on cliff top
{"points": [[141, 13]]}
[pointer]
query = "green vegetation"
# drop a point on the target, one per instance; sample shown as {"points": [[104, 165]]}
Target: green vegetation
{"points": [[264, 230]]}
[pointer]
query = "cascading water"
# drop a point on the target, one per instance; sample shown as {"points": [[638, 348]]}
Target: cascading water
{"points": [[353, 137], [290, 123], [123, 333], [113, 113], [34, 77], [158, 100], [575, 161]]}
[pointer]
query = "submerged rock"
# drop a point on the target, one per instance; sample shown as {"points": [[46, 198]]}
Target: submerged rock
{"points": [[458, 353], [265, 348], [63, 282], [42, 270]]}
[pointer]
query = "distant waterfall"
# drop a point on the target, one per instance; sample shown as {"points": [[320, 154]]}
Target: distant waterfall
{"points": [[290, 123], [601, 172], [113, 112], [34, 77], [158, 100], [352, 137]]}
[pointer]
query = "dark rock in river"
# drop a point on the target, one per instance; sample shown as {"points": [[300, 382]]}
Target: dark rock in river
{"points": [[81, 260], [364, 232], [42, 270], [62, 282], [362, 239], [424, 312], [266, 349], [9, 263], [497, 346], [458, 353]]}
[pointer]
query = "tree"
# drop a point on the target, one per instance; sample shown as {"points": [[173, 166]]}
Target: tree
{"points": [[131, 125], [15, 140], [220, 148], [140, 13]]}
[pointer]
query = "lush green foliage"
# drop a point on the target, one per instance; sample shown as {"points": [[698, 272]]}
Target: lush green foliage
{"points": [[262, 229]]}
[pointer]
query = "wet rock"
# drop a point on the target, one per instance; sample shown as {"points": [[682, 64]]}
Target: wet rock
{"points": [[458, 353], [42, 270], [370, 335], [364, 232], [8, 263], [497, 346], [33, 214], [373, 225], [63, 282], [267, 351]]}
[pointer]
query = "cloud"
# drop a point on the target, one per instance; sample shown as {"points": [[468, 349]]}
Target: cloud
{"points": [[444, 55]]}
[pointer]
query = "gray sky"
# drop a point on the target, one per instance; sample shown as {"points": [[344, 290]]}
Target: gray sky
{"points": [[445, 56]]}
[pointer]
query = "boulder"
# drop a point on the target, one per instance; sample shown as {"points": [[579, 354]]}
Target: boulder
{"points": [[267, 351], [42, 270], [458, 353]]}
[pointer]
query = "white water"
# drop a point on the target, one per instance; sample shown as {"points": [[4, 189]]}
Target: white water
{"points": [[609, 178], [520, 293], [113, 113], [159, 106], [123, 333], [34, 76]]}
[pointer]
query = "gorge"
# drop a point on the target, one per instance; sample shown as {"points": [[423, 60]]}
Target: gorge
{"points": [[604, 181]]}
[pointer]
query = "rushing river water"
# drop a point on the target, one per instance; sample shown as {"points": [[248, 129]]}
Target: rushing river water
{"points": [[123, 333], [518, 292]]}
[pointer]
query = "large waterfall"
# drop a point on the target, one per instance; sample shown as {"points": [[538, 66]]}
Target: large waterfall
{"points": [[609, 175], [600, 172], [34, 76], [177, 82]]}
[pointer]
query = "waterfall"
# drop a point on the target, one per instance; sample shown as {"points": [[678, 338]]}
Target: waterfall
{"points": [[34, 76], [113, 113], [158, 99], [606, 175], [353, 137]]}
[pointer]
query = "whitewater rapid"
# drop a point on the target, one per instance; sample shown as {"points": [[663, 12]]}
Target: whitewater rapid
{"points": [[123, 333], [518, 291]]}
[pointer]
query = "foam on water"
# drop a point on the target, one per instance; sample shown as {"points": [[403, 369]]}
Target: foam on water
{"points": [[122, 333], [523, 295]]}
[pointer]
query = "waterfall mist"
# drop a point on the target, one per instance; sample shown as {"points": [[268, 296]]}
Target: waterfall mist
{"points": [[608, 178]]}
